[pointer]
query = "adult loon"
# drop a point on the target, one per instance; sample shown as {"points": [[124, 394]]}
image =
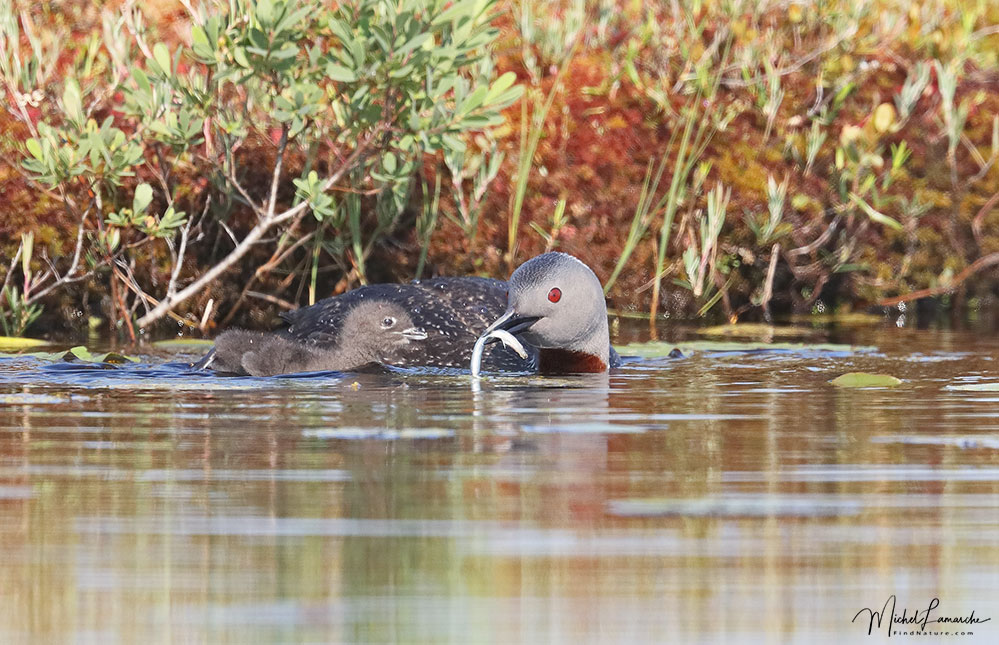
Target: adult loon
{"points": [[553, 302]]}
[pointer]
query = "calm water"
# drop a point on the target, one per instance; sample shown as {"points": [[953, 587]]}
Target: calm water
{"points": [[721, 497]]}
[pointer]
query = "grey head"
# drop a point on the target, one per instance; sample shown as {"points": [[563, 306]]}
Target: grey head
{"points": [[373, 331], [557, 302]]}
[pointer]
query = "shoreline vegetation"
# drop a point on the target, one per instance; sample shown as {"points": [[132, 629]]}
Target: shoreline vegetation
{"points": [[194, 166]]}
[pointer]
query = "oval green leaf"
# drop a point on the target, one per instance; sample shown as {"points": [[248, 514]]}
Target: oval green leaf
{"points": [[340, 73], [865, 379], [143, 195], [13, 343], [500, 85], [71, 100], [162, 56], [34, 148]]}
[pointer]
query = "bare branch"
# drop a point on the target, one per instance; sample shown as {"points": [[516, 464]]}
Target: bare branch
{"points": [[817, 242], [231, 176], [768, 288], [280, 302], [179, 260], [79, 244], [275, 179], [10, 270], [983, 262], [129, 279], [206, 316], [978, 223], [146, 297]]}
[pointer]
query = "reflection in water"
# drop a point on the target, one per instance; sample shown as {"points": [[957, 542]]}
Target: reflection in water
{"points": [[727, 496]]}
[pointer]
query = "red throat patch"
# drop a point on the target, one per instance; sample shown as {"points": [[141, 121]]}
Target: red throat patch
{"points": [[567, 361]]}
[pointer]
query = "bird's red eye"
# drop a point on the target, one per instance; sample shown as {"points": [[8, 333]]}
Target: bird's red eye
{"points": [[555, 294]]}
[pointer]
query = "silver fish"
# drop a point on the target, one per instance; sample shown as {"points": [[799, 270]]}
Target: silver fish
{"points": [[501, 335]]}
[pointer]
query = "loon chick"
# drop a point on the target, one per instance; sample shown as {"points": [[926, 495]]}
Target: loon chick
{"points": [[556, 304], [372, 331]]}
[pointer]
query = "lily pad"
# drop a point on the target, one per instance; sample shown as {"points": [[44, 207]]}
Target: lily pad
{"points": [[82, 354], [634, 315], [29, 398], [385, 434], [755, 330], [659, 349], [14, 343], [595, 427], [964, 442], [865, 379], [850, 318], [184, 343], [975, 387], [737, 505]]}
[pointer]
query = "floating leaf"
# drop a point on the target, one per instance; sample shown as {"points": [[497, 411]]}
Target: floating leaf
{"points": [[384, 434], [865, 379], [82, 354], [975, 387], [849, 318], [28, 398], [184, 343], [965, 442], [13, 343], [737, 505], [594, 427], [663, 349], [755, 330]]}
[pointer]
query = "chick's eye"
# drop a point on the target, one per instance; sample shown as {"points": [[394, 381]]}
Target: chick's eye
{"points": [[387, 322], [555, 294]]}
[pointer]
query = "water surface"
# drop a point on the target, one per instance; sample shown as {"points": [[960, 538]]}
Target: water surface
{"points": [[726, 496]]}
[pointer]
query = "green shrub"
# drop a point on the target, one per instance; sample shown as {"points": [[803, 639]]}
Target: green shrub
{"points": [[349, 99]]}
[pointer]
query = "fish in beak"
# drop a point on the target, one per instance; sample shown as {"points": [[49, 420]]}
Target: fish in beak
{"points": [[493, 336]]}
